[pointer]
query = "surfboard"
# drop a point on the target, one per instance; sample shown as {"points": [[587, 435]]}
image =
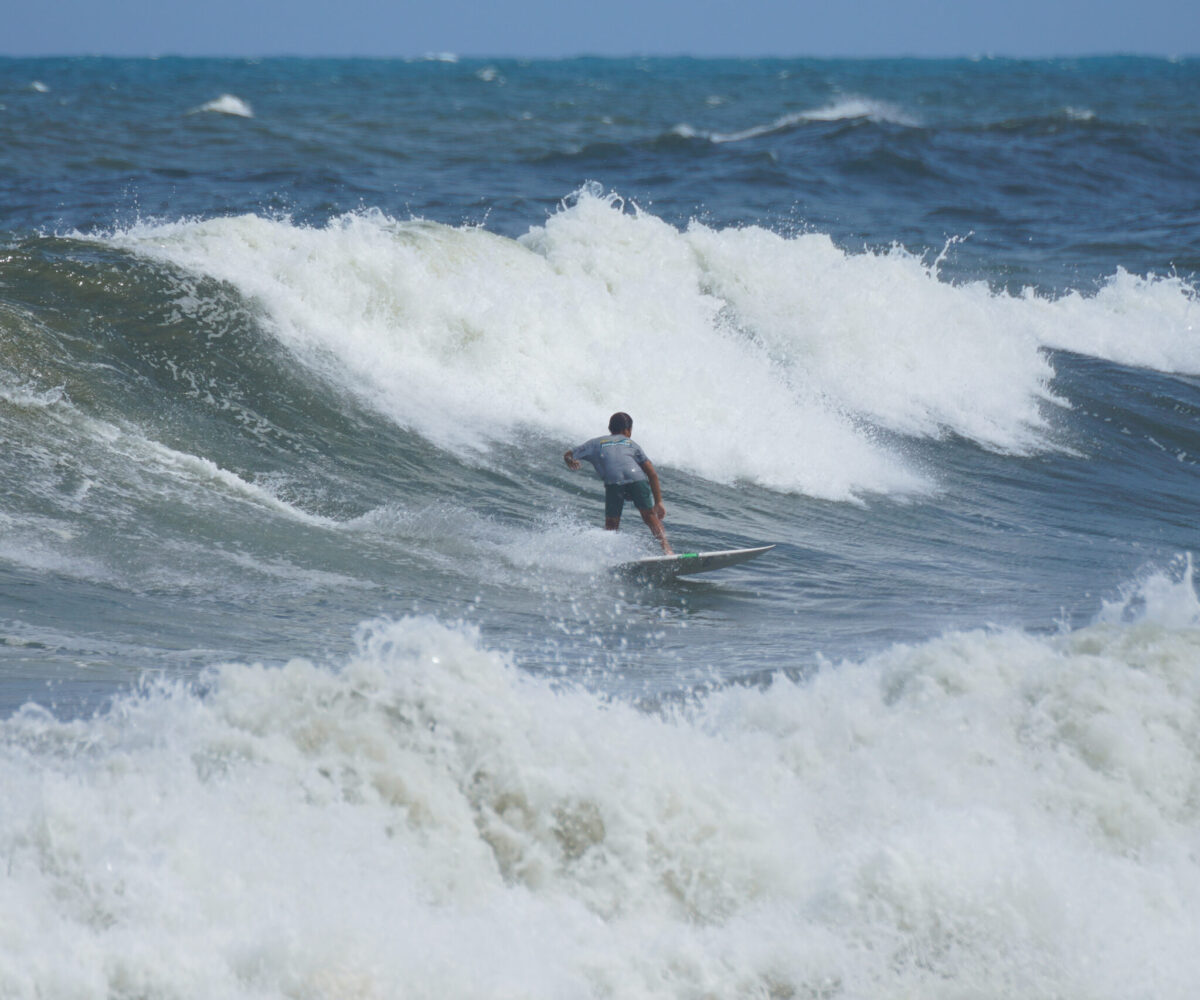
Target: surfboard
{"points": [[686, 563]]}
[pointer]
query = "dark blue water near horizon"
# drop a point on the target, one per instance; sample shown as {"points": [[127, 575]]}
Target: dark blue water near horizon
{"points": [[314, 676], [1051, 168]]}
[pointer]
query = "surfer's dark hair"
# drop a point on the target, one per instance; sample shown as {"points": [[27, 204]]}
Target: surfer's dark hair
{"points": [[619, 423]]}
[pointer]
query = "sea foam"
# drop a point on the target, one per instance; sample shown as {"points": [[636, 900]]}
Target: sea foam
{"points": [[994, 812]]}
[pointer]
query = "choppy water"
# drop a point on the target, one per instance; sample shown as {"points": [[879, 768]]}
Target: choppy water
{"points": [[313, 677]]}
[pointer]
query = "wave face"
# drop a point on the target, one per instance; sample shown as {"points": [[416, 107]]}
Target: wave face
{"points": [[465, 336], [315, 680]]}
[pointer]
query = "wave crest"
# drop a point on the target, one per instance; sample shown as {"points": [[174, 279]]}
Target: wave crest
{"points": [[744, 354]]}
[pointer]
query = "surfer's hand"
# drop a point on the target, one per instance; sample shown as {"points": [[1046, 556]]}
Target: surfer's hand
{"points": [[572, 462], [660, 511]]}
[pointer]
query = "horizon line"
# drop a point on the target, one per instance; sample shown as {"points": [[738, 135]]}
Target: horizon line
{"points": [[448, 56]]}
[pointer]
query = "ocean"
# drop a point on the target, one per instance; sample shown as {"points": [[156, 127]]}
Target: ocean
{"points": [[315, 678]]}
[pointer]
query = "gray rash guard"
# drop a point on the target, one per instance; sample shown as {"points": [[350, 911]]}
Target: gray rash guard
{"points": [[616, 458]]}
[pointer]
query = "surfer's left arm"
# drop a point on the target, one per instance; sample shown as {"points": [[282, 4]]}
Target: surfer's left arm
{"points": [[655, 488], [571, 460]]}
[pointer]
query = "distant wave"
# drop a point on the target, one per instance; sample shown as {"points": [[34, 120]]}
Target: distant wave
{"points": [[865, 109], [226, 104], [846, 109]]}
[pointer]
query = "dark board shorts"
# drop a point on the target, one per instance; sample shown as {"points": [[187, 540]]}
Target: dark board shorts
{"points": [[615, 495]]}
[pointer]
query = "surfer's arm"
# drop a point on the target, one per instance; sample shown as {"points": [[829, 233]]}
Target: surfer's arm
{"points": [[571, 460], [655, 487]]}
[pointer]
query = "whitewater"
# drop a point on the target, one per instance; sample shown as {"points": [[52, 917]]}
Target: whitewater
{"points": [[991, 809]]}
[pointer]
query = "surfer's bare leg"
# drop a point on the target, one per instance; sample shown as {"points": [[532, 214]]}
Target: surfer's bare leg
{"points": [[654, 515], [612, 523], [656, 529]]}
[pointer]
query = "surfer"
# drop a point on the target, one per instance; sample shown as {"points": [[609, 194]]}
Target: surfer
{"points": [[628, 475]]}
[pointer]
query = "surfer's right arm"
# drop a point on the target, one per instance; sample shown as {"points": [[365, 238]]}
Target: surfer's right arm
{"points": [[655, 488]]}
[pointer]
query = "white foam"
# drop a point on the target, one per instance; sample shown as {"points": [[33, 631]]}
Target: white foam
{"points": [[226, 104], [742, 354], [1148, 322], [1160, 597], [990, 814], [851, 107]]}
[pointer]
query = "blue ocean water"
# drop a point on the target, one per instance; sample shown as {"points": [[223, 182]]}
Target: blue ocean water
{"points": [[314, 678]]}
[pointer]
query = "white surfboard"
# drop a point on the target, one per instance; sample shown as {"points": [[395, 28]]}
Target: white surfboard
{"points": [[686, 563]]}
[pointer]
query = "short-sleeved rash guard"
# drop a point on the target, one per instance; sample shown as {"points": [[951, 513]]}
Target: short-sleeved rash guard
{"points": [[616, 458]]}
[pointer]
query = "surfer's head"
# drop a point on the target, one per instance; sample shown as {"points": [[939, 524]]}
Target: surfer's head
{"points": [[619, 423]]}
